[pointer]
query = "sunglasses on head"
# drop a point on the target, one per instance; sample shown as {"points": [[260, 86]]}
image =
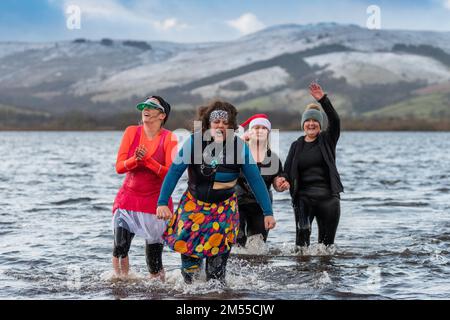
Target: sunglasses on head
{"points": [[151, 104]]}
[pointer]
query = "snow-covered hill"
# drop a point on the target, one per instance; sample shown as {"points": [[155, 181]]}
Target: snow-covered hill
{"points": [[89, 75]]}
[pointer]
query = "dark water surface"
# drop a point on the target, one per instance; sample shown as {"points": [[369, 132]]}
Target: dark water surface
{"points": [[392, 242]]}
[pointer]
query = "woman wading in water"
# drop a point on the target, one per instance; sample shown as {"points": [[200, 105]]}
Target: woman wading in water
{"points": [[145, 156], [251, 217], [206, 224], [310, 166]]}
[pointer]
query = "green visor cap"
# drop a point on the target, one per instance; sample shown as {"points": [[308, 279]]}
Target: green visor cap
{"points": [[150, 105]]}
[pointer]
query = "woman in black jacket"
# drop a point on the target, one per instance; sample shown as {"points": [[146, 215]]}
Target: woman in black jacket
{"points": [[311, 170], [251, 217]]}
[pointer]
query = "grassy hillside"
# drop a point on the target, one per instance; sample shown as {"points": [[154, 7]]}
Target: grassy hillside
{"points": [[293, 102], [6, 111], [430, 106]]}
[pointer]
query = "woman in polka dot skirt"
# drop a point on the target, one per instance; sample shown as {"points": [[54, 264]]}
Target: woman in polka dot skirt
{"points": [[206, 223]]}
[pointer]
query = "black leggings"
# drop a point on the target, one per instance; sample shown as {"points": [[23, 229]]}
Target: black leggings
{"points": [[153, 252], [327, 212], [251, 222], [215, 267]]}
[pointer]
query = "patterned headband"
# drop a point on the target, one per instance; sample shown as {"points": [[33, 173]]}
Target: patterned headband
{"points": [[218, 115]]}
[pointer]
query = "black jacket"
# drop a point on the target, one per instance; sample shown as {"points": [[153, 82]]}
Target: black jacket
{"points": [[327, 140], [243, 190]]}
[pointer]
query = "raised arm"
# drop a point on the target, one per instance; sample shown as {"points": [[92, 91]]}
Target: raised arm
{"points": [[334, 123]]}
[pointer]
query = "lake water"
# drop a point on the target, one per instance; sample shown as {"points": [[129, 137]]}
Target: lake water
{"points": [[392, 242]]}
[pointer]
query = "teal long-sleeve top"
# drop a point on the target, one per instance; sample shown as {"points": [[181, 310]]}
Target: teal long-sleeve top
{"points": [[202, 178]]}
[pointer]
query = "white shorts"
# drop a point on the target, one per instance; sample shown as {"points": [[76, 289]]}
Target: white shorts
{"points": [[145, 225]]}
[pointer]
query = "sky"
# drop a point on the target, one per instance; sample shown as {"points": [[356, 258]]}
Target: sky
{"points": [[200, 20]]}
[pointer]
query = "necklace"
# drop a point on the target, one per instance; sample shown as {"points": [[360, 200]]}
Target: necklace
{"points": [[209, 170]]}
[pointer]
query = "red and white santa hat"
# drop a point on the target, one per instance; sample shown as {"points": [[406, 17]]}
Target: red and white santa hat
{"points": [[258, 120]]}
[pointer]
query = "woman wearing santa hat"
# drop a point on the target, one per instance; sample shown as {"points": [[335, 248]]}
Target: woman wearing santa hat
{"points": [[251, 215]]}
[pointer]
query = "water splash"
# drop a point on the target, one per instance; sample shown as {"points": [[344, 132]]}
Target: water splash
{"points": [[323, 279], [255, 246], [314, 250], [391, 244]]}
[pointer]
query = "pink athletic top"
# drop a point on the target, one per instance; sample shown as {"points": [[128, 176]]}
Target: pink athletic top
{"points": [[143, 181]]}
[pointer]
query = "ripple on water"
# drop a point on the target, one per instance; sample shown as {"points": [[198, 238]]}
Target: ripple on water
{"points": [[410, 248], [390, 182], [360, 199], [407, 204], [72, 201], [442, 237], [101, 208], [73, 175], [79, 165]]}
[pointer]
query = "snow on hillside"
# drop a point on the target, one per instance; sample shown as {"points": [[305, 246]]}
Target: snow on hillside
{"points": [[10, 48], [198, 63], [368, 68], [191, 65], [265, 79], [113, 71]]}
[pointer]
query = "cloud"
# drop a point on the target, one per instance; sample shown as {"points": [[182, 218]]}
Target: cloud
{"points": [[105, 9], [115, 11], [247, 23], [168, 24], [447, 4]]}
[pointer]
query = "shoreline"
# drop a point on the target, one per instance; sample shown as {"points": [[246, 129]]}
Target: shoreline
{"points": [[282, 130]]}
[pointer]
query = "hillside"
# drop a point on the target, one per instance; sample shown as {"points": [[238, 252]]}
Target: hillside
{"points": [[429, 106], [368, 73]]}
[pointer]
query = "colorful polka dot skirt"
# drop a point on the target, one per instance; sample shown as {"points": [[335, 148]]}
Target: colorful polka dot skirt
{"points": [[199, 229]]}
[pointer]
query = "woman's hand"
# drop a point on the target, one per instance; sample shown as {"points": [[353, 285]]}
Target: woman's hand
{"points": [[316, 91], [140, 152], [285, 186], [281, 184], [269, 222], [246, 136], [163, 212]]}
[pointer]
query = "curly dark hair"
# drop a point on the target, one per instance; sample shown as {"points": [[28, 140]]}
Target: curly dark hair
{"points": [[204, 113]]}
